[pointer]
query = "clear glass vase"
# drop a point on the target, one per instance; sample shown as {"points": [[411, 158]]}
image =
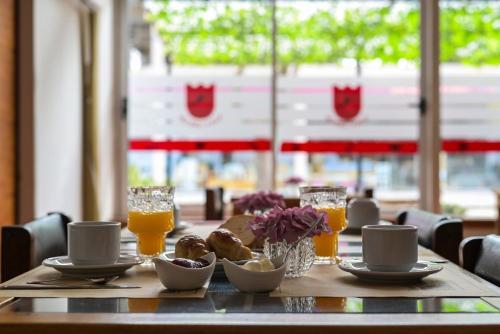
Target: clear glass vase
{"points": [[300, 258], [299, 304]]}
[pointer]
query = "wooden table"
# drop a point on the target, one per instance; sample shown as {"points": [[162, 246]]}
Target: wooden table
{"points": [[224, 310]]}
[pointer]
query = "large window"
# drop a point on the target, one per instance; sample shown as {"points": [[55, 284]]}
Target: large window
{"points": [[200, 100], [347, 97], [347, 94], [470, 105]]}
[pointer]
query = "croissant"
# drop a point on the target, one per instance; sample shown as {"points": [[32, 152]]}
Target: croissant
{"points": [[226, 245], [191, 247]]}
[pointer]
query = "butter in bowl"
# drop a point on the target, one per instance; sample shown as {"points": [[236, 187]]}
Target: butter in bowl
{"points": [[184, 274], [255, 275]]}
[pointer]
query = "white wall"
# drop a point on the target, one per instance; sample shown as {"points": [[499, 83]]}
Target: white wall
{"points": [[58, 108]]}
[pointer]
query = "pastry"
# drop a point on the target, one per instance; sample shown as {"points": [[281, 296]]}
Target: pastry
{"points": [[226, 245], [191, 247], [239, 226]]}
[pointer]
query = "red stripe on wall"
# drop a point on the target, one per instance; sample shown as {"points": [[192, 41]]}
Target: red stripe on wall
{"points": [[457, 146], [323, 146], [367, 147], [200, 145]]}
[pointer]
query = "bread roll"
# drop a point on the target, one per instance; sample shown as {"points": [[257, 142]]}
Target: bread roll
{"points": [[239, 226], [191, 247], [226, 245]]}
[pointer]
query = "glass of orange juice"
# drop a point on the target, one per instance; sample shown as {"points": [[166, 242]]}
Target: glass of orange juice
{"points": [[331, 200], [150, 218]]}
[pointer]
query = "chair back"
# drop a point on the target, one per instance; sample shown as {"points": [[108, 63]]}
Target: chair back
{"points": [[26, 246], [368, 192], [214, 204], [481, 255], [497, 222], [440, 233]]}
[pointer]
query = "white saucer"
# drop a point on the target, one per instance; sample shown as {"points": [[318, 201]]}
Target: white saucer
{"points": [[419, 271], [219, 267], [64, 265]]}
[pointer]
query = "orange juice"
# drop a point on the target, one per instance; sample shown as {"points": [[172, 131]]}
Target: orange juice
{"points": [[136, 305], [150, 229], [329, 304], [327, 245]]}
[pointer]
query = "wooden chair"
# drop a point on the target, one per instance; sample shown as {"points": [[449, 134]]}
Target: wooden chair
{"points": [[440, 233], [368, 192], [26, 246], [481, 255], [214, 204]]}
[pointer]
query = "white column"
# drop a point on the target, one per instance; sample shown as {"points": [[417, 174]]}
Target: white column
{"points": [[264, 173], [429, 141], [120, 83], [301, 165]]}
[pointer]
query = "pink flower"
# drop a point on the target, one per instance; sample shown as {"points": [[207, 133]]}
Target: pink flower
{"points": [[259, 201], [289, 224], [294, 180]]}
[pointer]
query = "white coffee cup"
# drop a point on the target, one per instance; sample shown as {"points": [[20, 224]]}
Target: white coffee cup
{"points": [[94, 242], [362, 211], [390, 247]]}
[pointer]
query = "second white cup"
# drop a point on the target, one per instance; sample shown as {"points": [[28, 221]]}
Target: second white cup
{"points": [[390, 247], [94, 242], [362, 211]]}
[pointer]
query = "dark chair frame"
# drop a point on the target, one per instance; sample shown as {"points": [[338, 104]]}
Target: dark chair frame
{"points": [[446, 236], [214, 203], [18, 249], [470, 252], [470, 249]]}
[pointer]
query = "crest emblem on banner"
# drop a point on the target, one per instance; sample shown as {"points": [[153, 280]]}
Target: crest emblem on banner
{"points": [[200, 100], [347, 102]]}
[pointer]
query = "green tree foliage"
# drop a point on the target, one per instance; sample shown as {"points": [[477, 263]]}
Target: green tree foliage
{"points": [[470, 34], [239, 33], [205, 33], [136, 179]]}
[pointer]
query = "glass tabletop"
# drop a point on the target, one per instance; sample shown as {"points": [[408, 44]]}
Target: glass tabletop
{"points": [[251, 303]]}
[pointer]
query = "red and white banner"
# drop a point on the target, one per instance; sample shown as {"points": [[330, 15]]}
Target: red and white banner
{"points": [[374, 114]]}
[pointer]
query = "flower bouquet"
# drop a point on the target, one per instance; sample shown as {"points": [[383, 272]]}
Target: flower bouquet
{"points": [[259, 202], [294, 180], [279, 228]]}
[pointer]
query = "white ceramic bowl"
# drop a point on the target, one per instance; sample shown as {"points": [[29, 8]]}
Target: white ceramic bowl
{"points": [[253, 281], [175, 277]]}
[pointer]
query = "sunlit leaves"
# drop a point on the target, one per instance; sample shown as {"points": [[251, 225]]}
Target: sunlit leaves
{"points": [[239, 33]]}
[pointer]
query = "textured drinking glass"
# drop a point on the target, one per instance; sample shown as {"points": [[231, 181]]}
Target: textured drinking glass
{"points": [[150, 218], [331, 200], [299, 260]]}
